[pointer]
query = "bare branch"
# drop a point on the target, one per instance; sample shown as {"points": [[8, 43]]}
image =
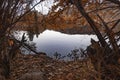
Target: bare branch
{"points": [[115, 24]]}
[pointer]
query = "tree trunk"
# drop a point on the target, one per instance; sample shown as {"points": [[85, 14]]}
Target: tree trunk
{"points": [[91, 22], [4, 60], [4, 68]]}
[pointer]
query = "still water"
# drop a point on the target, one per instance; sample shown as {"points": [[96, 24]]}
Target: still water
{"points": [[51, 41]]}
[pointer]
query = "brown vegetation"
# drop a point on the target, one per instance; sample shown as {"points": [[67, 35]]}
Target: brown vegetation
{"points": [[105, 56], [24, 65]]}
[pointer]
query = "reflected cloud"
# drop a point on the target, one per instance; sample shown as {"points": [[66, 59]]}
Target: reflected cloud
{"points": [[52, 41]]}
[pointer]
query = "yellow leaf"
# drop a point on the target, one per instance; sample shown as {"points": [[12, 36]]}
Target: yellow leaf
{"points": [[10, 42]]}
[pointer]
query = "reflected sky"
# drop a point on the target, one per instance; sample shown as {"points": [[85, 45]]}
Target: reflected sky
{"points": [[52, 41]]}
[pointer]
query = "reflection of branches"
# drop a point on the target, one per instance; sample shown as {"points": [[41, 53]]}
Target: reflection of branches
{"points": [[77, 54], [26, 45], [23, 43], [58, 56]]}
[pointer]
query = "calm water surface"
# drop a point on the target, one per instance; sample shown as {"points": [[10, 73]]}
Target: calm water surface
{"points": [[52, 41]]}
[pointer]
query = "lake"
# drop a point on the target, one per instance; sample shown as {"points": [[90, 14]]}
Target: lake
{"points": [[51, 41]]}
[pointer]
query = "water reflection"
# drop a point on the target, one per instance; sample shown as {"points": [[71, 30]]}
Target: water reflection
{"points": [[51, 41]]}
